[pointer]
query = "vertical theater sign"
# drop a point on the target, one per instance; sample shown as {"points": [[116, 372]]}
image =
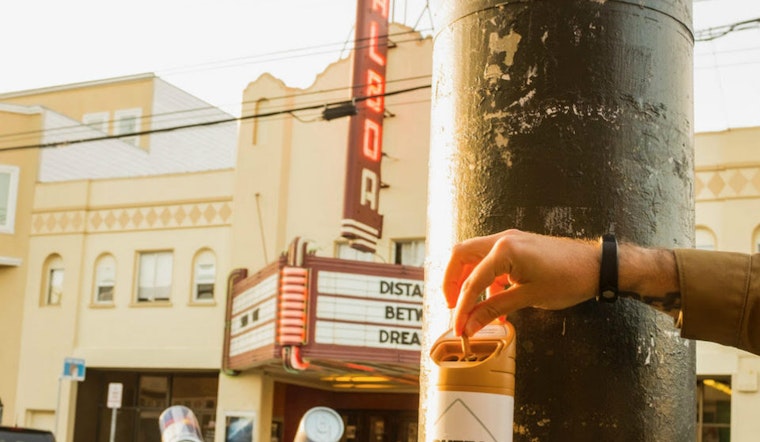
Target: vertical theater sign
{"points": [[362, 222], [313, 316]]}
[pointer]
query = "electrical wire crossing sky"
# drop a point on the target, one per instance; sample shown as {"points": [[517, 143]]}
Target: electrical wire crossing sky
{"points": [[214, 49]]}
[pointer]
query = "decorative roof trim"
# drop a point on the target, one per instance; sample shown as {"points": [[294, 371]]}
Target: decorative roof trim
{"points": [[21, 109], [62, 87]]}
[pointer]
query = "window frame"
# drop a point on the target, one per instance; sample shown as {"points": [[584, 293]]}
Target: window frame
{"points": [[201, 258], [9, 225], [96, 279], [97, 120], [123, 114], [355, 255], [701, 401], [398, 252], [704, 238], [139, 272], [53, 265]]}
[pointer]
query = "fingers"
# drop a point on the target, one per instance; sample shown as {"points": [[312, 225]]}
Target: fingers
{"points": [[465, 257], [476, 265], [544, 272], [485, 312], [456, 273], [492, 270]]}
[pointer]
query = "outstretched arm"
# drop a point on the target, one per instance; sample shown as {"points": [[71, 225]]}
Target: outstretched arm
{"points": [[520, 269]]}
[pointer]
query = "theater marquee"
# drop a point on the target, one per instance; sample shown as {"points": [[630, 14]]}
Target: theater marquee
{"points": [[327, 314]]}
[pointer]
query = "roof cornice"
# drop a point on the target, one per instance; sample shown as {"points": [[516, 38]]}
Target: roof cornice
{"points": [[42, 90], [21, 109]]}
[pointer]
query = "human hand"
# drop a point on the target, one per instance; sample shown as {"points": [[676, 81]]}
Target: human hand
{"points": [[539, 271]]}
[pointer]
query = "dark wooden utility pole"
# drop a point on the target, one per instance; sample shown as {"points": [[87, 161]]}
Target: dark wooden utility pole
{"points": [[572, 117]]}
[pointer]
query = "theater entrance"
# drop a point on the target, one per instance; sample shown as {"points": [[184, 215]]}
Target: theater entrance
{"points": [[379, 426], [367, 416]]}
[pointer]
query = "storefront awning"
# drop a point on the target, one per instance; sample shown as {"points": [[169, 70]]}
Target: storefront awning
{"points": [[7, 261]]}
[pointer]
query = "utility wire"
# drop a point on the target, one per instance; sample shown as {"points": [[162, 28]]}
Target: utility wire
{"points": [[728, 65], [360, 43], [340, 47], [700, 36], [367, 41], [211, 107], [721, 31], [210, 123], [317, 116], [181, 114]]}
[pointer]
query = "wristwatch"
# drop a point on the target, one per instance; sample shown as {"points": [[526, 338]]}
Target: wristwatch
{"points": [[608, 272]]}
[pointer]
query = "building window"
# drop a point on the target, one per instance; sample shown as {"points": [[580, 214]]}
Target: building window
{"points": [[8, 193], [105, 279], [714, 409], [154, 276], [53, 280], [127, 121], [204, 276], [704, 239], [409, 252], [97, 121], [345, 251]]}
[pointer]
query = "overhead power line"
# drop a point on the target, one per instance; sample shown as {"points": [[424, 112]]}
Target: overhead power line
{"points": [[700, 36], [181, 114], [360, 43], [210, 123], [721, 31], [286, 54]]}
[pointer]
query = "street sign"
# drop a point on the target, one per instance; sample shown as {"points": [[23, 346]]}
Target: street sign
{"points": [[74, 369], [114, 394]]}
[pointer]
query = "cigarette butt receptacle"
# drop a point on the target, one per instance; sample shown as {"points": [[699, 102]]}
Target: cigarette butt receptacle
{"points": [[178, 424], [320, 424], [473, 399]]}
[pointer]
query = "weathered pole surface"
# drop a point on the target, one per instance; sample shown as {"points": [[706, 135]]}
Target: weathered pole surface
{"points": [[569, 117]]}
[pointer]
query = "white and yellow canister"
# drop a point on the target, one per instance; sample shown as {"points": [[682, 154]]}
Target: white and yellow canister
{"points": [[473, 399]]}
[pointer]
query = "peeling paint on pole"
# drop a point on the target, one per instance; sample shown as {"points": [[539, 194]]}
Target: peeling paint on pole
{"points": [[567, 117]]}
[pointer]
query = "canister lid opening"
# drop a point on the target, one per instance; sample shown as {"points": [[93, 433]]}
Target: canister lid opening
{"points": [[451, 352]]}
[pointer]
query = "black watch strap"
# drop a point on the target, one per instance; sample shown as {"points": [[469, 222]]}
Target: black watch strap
{"points": [[608, 272]]}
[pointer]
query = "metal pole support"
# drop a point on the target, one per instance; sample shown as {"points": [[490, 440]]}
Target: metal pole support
{"points": [[567, 117]]}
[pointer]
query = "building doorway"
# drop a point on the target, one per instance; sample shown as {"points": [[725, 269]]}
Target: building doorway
{"points": [[379, 426], [714, 409], [145, 396], [367, 416]]}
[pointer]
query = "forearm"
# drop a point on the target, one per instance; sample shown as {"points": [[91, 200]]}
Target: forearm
{"points": [[649, 276]]}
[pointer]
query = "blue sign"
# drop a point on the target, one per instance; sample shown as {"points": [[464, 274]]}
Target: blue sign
{"points": [[73, 369]]}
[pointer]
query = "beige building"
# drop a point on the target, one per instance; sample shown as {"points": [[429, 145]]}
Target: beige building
{"points": [[18, 176], [727, 190], [113, 253]]}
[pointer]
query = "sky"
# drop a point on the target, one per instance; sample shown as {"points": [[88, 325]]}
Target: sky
{"points": [[726, 69], [210, 48], [213, 49]]}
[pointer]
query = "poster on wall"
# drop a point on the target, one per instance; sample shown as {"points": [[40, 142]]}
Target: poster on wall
{"points": [[238, 426]]}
